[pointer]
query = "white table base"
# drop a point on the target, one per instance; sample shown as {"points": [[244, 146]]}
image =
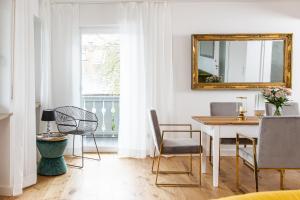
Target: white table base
{"points": [[217, 132]]}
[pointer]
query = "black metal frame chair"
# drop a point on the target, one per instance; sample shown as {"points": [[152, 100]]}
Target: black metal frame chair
{"points": [[71, 120]]}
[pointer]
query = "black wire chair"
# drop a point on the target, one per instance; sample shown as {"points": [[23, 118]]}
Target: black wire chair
{"points": [[77, 122]]}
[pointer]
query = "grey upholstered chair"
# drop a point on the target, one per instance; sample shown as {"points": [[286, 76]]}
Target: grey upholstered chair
{"points": [[291, 108], [278, 147], [76, 121], [173, 146], [222, 109]]}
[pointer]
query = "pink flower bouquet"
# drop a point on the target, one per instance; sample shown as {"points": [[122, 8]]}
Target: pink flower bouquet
{"points": [[276, 96]]}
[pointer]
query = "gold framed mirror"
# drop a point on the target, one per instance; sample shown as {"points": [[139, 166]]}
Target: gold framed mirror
{"points": [[241, 61]]}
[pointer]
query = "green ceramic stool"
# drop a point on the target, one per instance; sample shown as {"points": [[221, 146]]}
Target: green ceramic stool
{"points": [[52, 162]]}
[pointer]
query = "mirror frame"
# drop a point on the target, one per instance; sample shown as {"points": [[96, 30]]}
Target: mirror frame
{"points": [[286, 37]]}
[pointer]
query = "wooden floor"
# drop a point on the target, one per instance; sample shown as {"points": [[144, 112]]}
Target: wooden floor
{"points": [[130, 179]]}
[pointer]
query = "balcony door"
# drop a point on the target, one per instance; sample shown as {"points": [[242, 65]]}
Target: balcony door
{"points": [[100, 82]]}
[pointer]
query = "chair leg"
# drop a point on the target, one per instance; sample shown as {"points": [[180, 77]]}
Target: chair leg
{"points": [[281, 179], [256, 178], [96, 147], [237, 170], [191, 164], [73, 145], [82, 159], [82, 152], [200, 168], [174, 172], [157, 170], [165, 172], [220, 157], [153, 161], [210, 149]]}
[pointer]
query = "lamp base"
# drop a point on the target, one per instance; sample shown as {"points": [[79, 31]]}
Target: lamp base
{"points": [[241, 116]]}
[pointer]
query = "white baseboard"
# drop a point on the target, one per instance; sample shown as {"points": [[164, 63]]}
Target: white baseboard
{"points": [[228, 152], [68, 151], [6, 191], [9, 191], [18, 190]]}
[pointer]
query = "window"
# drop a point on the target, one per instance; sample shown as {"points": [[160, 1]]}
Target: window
{"points": [[100, 77]]}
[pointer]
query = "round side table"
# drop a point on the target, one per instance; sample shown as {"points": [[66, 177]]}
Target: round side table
{"points": [[51, 149]]}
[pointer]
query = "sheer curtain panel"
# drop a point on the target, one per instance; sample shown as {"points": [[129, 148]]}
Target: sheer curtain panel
{"points": [[23, 134], [65, 55], [65, 59], [146, 73], [45, 17]]}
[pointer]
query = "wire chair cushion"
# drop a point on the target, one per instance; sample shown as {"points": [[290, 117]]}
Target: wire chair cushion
{"points": [[74, 120]]}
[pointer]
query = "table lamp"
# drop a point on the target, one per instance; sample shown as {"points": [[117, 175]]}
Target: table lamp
{"points": [[242, 107], [48, 116]]}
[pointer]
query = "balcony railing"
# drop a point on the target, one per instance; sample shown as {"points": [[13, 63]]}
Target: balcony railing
{"points": [[107, 110]]}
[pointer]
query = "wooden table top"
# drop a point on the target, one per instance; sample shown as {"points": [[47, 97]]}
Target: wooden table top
{"points": [[214, 120]]}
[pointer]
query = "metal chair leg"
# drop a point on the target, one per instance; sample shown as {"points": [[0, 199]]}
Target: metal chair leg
{"points": [[281, 179], [237, 169], [96, 147], [191, 164], [157, 170], [73, 154], [256, 179], [82, 160], [200, 167], [153, 161], [73, 145], [210, 149]]}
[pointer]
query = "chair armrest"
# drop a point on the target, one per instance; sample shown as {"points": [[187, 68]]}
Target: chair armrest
{"points": [[183, 125], [180, 131], [87, 125], [87, 120], [239, 135], [253, 140], [71, 125]]}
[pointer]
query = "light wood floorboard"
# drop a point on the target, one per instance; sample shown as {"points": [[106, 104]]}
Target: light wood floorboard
{"points": [[115, 178]]}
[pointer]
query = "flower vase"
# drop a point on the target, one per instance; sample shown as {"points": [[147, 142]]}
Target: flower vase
{"points": [[277, 111]]}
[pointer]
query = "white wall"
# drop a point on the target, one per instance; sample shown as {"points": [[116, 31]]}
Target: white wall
{"points": [[5, 91], [230, 17], [5, 54], [99, 14]]}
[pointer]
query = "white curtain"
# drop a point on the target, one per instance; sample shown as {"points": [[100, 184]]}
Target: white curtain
{"points": [[60, 55], [45, 17], [146, 73], [22, 127], [65, 59], [65, 55]]}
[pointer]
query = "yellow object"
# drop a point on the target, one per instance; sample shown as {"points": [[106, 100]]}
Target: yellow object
{"points": [[277, 195]]}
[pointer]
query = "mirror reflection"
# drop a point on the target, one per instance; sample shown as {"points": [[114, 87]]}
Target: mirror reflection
{"points": [[240, 61]]}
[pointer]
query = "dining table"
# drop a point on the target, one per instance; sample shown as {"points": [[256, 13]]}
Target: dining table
{"points": [[222, 127]]}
